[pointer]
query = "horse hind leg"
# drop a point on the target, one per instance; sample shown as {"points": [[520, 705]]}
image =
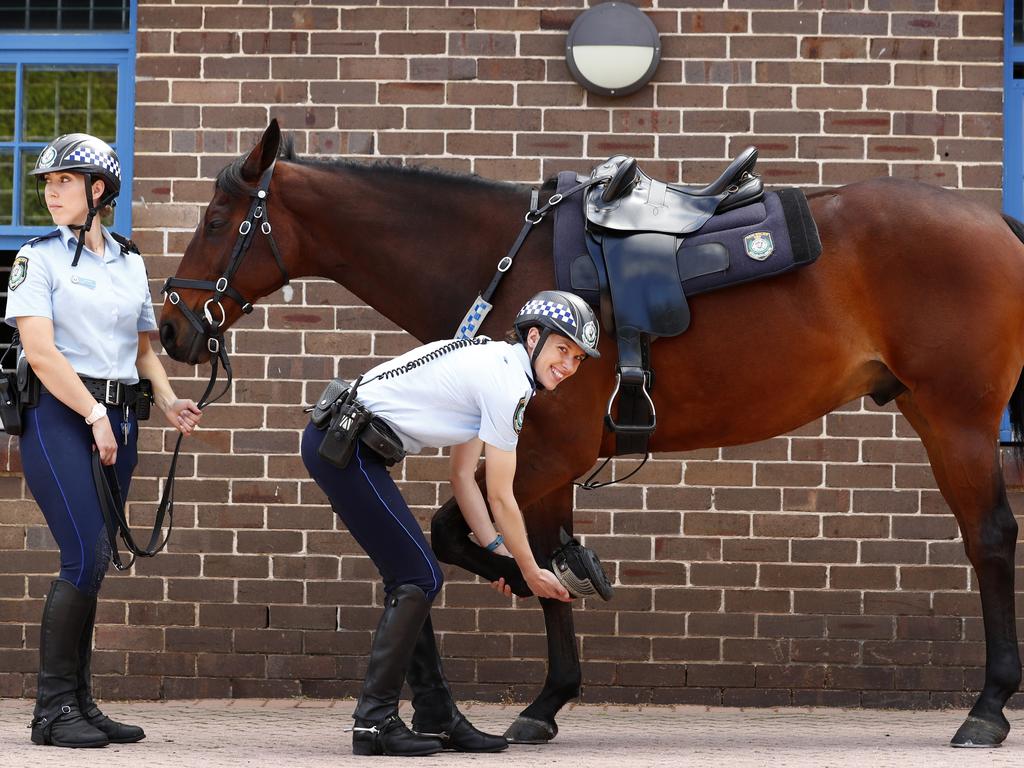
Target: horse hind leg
{"points": [[965, 461]]}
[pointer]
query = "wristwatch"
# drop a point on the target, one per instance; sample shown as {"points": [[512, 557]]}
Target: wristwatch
{"points": [[98, 412]]}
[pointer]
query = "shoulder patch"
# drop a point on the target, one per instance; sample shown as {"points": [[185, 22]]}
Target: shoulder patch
{"points": [[19, 271], [519, 415], [32, 243]]}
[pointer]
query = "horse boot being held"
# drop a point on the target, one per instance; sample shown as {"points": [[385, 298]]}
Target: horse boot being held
{"points": [[57, 720], [117, 733], [435, 710], [378, 729]]}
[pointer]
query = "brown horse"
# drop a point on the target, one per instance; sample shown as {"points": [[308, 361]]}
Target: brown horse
{"points": [[918, 296]]}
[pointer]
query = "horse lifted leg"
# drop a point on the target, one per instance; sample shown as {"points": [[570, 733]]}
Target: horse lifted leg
{"points": [[449, 538], [966, 465]]}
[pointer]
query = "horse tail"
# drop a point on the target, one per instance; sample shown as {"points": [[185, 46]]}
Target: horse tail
{"points": [[1017, 398]]}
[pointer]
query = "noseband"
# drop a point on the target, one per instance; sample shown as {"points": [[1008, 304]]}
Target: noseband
{"points": [[209, 328]]}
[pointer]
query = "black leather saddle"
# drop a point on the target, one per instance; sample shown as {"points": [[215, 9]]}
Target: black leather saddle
{"points": [[635, 227], [631, 201]]}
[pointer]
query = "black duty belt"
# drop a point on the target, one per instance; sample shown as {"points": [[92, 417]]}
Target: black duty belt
{"points": [[115, 393]]}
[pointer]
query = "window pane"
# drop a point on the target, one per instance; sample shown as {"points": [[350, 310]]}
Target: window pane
{"points": [[1018, 25], [70, 100], [49, 15], [6, 187], [32, 213], [7, 94]]}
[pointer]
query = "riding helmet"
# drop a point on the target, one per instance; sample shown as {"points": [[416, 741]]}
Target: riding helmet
{"points": [[82, 153], [564, 313]]}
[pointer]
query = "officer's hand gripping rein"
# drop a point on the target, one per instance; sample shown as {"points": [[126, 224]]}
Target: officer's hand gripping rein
{"points": [[579, 569]]}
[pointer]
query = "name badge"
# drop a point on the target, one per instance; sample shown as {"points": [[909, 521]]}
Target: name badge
{"points": [[83, 281]]}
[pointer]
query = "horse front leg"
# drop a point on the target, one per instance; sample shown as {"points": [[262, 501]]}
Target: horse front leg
{"points": [[449, 538], [451, 543], [536, 724]]}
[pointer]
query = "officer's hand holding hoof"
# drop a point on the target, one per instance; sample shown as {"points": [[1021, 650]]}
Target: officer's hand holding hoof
{"points": [[544, 583], [183, 415]]}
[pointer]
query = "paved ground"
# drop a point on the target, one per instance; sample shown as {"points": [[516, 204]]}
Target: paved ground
{"points": [[308, 734]]}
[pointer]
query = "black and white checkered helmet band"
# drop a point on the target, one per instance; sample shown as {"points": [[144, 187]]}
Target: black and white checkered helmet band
{"points": [[552, 309], [87, 155]]}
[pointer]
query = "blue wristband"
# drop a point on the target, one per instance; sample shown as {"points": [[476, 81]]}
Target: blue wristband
{"points": [[495, 544]]}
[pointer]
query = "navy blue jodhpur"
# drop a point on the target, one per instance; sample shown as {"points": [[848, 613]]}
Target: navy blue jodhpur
{"points": [[56, 454], [367, 500]]}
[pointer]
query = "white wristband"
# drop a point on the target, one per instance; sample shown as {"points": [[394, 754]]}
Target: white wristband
{"points": [[98, 412]]}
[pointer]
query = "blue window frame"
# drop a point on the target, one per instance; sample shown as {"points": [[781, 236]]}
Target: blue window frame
{"points": [[25, 52], [1013, 126]]}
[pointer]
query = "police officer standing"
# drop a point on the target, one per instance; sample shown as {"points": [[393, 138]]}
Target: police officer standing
{"points": [[472, 397], [79, 297]]}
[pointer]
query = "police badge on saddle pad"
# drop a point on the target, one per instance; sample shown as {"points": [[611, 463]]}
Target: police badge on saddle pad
{"points": [[759, 245]]}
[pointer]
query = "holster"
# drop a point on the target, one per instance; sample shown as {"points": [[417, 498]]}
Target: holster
{"points": [[10, 405]]}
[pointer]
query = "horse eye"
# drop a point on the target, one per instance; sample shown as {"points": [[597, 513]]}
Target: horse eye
{"points": [[216, 224]]}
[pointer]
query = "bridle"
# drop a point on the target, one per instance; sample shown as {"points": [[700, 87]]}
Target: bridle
{"points": [[109, 493], [205, 325]]}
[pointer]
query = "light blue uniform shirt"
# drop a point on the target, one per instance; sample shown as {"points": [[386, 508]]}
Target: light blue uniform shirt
{"points": [[476, 391], [98, 308]]}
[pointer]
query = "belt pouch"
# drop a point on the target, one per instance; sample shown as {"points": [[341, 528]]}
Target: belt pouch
{"points": [[10, 406], [349, 419], [322, 409], [143, 399]]}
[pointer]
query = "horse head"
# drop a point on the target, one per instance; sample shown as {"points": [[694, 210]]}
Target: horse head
{"points": [[234, 258]]}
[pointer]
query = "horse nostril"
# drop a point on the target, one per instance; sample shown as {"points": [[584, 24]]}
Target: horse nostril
{"points": [[167, 335]]}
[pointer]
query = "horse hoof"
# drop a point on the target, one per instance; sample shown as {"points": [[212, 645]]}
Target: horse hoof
{"points": [[527, 730], [979, 733]]}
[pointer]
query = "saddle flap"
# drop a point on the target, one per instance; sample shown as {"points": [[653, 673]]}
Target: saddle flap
{"points": [[644, 281]]}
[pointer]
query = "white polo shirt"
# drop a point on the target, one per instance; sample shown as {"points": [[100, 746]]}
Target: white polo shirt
{"points": [[98, 308], [475, 391]]}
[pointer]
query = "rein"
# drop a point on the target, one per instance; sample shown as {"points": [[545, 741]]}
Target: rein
{"points": [[107, 486]]}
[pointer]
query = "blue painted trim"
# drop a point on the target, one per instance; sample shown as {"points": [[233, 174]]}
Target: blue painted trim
{"points": [[75, 48], [1013, 139]]}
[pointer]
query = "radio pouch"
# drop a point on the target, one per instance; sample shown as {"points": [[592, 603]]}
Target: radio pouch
{"points": [[320, 414], [349, 418]]}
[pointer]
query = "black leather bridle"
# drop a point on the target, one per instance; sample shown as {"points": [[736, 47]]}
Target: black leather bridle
{"points": [[205, 325], [109, 493]]}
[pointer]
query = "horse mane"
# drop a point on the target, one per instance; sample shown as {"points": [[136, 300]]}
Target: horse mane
{"points": [[231, 181]]}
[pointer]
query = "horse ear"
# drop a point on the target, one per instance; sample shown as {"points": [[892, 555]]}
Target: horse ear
{"points": [[263, 154]]}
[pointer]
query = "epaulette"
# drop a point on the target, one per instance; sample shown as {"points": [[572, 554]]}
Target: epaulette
{"points": [[32, 243], [127, 246]]}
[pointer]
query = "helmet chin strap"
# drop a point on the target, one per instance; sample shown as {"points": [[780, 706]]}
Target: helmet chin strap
{"points": [[536, 352], [83, 228]]}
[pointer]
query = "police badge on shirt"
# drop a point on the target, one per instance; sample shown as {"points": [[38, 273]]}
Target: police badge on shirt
{"points": [[19, 271], [517, 418]]}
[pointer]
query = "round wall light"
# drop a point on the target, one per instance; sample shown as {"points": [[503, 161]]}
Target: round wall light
{"points": [[612, 49]]}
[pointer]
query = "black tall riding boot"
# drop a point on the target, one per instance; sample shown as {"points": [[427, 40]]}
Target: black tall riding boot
{"points": [[379, 730], [117, 733], [57, 719], [435, 711]]}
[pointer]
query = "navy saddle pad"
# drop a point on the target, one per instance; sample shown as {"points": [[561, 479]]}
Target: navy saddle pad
{"points": [[756, 241]]}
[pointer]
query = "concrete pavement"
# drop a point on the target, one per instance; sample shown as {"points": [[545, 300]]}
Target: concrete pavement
{"points": [[308, 733]]}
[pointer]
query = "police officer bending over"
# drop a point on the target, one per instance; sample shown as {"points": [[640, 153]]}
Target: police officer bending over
{"points": [[80, 300], [471, 396]]}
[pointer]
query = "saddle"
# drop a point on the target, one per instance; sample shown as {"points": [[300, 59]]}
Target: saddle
{"points": [[648, 244], [631, 201]]}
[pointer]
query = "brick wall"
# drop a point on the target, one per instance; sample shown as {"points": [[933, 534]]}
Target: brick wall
{"points": [[817, 567]]}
